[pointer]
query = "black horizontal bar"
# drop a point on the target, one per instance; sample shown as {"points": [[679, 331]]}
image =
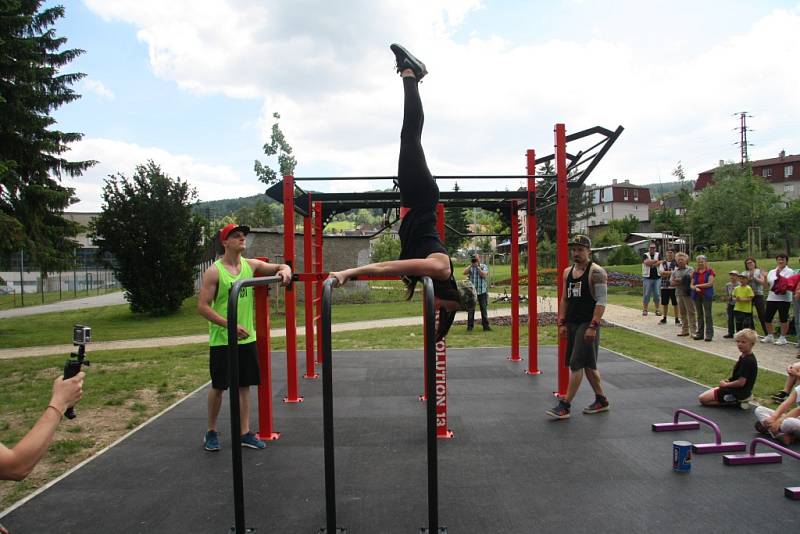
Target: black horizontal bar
{"points": [[354, 178]]}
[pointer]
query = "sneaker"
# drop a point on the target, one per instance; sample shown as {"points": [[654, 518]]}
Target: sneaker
{"points": [[683, 334], [252, 441], [761, 429], [744, 404], [663, 321], [768, 339], [211, 441], [644, 313], [677, 321], [728, 336], [709, 339], [697, 338], [599, 405], [780, 341], [658, 313], [561, 411], [406, 61], [780, 396]]}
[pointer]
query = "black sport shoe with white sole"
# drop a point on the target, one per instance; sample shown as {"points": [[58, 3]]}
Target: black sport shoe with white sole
{"points": [[407, 61]]}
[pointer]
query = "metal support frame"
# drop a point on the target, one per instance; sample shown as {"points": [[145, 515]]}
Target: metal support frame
{"points": [[266, 431], [308, 289], [233, 390], [290, 297], [790, 492], [533, 311], [562, 255], [514, 356], [429, 320], [318, 266], [700, 448]]}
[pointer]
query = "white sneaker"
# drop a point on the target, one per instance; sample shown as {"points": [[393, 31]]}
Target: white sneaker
{"points": [[781, 341], [768, 339]]}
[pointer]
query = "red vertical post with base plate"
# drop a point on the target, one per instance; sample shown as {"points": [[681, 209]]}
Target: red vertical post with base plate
{"points": [[318, 227], [440, 229], [265, 429], [308, 290], [533, 305], [514, 357], [562, 254], [442, 432], [290, 296]]}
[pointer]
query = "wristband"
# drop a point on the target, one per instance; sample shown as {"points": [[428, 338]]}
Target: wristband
{"points": [[60, 415]]}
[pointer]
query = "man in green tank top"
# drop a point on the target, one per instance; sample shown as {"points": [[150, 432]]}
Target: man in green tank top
{"points": [[213, 305]]}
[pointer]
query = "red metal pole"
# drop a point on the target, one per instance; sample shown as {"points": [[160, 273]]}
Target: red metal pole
{"points": [[440, 229], [562, 231], [265, 430], [442, 432], [308, 291], [514, 357], [533, 305], [318, 228], [291, 302]]}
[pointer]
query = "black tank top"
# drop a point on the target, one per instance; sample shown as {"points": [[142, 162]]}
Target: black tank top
{"points": [[580, 303]]}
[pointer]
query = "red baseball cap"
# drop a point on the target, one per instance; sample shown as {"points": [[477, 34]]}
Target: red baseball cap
{"points": [[226, 230]]}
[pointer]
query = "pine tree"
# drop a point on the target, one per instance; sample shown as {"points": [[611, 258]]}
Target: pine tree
{"points": [[31, 153], [456, 220]]}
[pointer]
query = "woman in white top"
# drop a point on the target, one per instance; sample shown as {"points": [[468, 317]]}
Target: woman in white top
{"points": [[778, 303]]}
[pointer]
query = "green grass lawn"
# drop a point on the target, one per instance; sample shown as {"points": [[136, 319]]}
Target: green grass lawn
{"points": [[125, 387]]}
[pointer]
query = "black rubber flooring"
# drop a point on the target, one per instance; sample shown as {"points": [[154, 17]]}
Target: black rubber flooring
{"points": [[509, 469]]}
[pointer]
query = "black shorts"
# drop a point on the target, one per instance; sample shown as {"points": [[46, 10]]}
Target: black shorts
{"points": [[580, 354], [729, 395], [780, 306], [668, 295], [249, 374]]}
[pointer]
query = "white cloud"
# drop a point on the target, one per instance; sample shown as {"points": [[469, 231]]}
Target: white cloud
{"points": [[326, 67], [211, 181], [97, 87]]}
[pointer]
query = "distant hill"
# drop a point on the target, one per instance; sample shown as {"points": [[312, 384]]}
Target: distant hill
{"points": [[657, 190], [219, 208]]}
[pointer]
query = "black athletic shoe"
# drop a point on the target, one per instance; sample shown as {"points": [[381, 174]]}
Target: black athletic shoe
{"points": [[561, 411], [406, 61], [663, 321], [697, 338], [780, 396]]}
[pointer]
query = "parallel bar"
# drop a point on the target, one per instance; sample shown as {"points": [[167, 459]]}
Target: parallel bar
{"points": [[354, 178], [562, 231], [430, 352], [533, 305], [327, 409], [233, 390]]}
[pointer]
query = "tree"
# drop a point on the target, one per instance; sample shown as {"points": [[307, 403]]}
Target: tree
{"points": [[627, 225], [456, 219], [735, 201], [578, 202], [149, 227], [386, 247], [277, 145], [665, 219], [31, 162], [258, 215], [623, 255]]}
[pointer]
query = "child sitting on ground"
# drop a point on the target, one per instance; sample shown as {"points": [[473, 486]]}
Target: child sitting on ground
{"points": [[792, 380], [782, 424], [738, 388]]}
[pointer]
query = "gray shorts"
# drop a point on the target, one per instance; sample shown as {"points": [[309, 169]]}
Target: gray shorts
{"points": [[580, 354]]}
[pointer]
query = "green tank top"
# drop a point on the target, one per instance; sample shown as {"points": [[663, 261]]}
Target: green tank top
{"points": [[218, 335]]}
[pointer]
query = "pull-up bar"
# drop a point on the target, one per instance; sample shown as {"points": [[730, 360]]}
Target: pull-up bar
{"points": [[356, 178]]}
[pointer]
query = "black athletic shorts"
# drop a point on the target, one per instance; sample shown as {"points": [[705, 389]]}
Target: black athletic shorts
{"points": [[668, 295], [780, 306], [249, 374], [579, 353]]}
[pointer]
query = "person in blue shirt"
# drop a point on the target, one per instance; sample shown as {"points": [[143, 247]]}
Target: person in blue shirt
{"points": [[478, 274]]}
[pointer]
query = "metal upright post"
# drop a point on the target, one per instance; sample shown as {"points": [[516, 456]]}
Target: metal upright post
{"points": [[514, 357], [318, 251], [533, 305], [289, 294], [562, 231], [265, 427], [308, 290]]}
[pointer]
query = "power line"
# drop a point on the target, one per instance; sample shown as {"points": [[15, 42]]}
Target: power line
{"points": [[743, 129]]}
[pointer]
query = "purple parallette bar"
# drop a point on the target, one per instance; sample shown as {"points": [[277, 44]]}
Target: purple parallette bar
{"points": [[712, 448], [752, 459], [792, 493], [671, 427]]}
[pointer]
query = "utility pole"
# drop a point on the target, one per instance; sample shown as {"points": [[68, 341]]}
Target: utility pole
{"points": [[743, 144]]}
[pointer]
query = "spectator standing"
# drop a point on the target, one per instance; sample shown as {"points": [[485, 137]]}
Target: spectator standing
{"points": [[757, 280], [681, 279], [743, 307], [651, 280], [478, 274], [778, 303], [731, 302], [667, 291], [702, 287]]}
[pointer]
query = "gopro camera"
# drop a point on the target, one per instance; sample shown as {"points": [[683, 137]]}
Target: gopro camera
{"points": [[81, 334]]}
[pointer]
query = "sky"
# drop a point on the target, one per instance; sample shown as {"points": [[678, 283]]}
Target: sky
{"points": [[193, 85]]}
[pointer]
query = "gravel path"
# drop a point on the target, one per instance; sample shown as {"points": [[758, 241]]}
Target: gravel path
{"points": [[109, 299]]}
